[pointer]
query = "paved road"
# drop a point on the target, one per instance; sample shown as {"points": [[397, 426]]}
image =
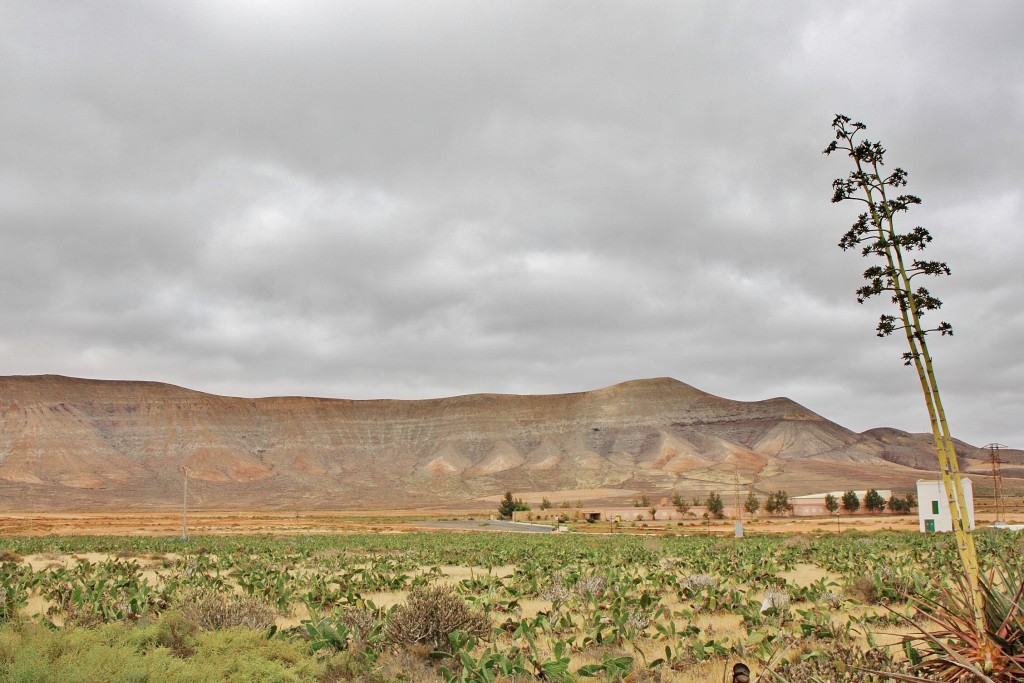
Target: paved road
{"points": [[485, 525]]}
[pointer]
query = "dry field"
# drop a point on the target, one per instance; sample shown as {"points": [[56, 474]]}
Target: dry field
{"points": [[169, 523], [647, 602]]}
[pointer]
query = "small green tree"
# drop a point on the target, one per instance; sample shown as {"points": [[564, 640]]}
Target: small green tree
{"points": [[680, 504], [752, 504], [654, 512], [851, 502], [778, 503], [831, 503], [509, 505], [904, 505], [545, 504], [715, 506], [873, 501]]}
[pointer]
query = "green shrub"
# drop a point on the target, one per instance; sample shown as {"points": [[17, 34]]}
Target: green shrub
{"points": [[126, 653], [177, 633]]}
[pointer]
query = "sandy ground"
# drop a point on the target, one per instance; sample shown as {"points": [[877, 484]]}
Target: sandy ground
{"points": [[390, 521], [199, 523], [485, 525]]}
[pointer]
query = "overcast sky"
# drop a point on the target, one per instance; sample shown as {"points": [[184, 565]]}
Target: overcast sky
{"points": [[421, 199]]}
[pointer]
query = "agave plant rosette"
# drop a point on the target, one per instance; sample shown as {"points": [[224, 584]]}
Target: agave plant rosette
{"points": [[949, 649]]}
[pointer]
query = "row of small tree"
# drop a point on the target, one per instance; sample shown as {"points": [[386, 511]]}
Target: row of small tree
{"points": [[777, 503], [873, 501]]}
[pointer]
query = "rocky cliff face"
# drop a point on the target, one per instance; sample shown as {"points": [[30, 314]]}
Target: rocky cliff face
{"points": [[71, 443]]}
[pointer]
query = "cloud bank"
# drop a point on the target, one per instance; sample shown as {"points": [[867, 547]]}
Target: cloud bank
{"points": [[370, 200]]}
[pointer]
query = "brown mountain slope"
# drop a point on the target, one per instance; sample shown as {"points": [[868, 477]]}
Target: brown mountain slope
{"points": [[72, 443]]}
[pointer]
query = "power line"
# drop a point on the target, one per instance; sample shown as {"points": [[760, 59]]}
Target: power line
{"points": [[995, 459]]}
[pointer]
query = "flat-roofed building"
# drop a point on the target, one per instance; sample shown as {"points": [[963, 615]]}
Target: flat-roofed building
{"points": [[813, 504], [933, 505]]}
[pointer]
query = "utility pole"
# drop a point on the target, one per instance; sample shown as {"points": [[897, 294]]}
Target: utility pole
{"points": [[736, 492], [995, 459], [184, 503]]}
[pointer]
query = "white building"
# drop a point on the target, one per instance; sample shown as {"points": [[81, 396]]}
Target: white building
{"points": [[933, 506]]}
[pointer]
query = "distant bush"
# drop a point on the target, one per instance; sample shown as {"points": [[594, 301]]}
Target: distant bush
{"points": [[831, 504], [430, 615], [680, 504], [510, 505], [778, 503], [864, 589], [361, 622], [694, 583], [212, 610], [874, 502], [902, 505], [7, 555], [715, 505], [752, 504]]}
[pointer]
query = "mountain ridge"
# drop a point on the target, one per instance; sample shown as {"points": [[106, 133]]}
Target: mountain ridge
{"points": [[71, 443]]}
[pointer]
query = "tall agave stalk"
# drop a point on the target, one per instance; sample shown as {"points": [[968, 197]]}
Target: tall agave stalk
{"points": [[875, 232]]}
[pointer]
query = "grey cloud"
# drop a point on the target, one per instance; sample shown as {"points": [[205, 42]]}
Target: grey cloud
{"points": [[368, 200]]}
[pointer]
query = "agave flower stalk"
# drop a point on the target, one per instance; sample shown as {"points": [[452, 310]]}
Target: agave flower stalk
{"points": [[875, 232]]}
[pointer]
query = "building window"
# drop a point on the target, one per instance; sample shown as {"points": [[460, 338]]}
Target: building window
{"points": [[935, 507]]}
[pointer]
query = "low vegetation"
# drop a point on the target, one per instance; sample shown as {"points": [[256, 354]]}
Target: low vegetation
{"points": [[486, 607]]}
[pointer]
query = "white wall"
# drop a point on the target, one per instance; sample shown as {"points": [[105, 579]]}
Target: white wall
{"points": [[933, 505]]}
